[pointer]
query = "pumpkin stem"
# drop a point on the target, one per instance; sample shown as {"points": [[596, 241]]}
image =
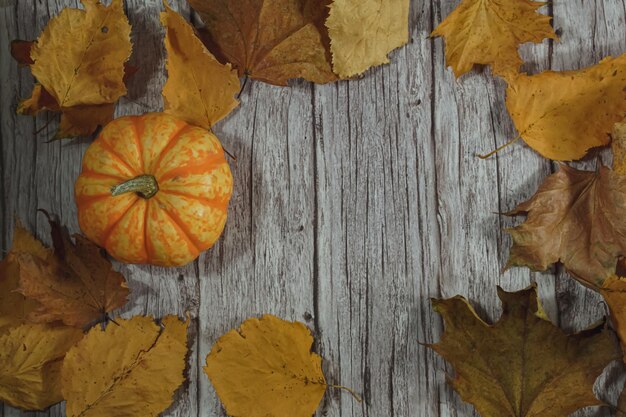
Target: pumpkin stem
{"points": [[144, 186]]}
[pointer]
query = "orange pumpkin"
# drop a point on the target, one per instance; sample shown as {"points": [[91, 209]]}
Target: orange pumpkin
{"points": [[154, 189]]}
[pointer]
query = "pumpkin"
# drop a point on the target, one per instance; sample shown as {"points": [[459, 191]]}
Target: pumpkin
{"points": [[154, 189]]}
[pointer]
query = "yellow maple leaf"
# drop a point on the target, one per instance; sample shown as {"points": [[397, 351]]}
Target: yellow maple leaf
{"points": [[79, 57], [74, 284], [14, 307], [363, 32], [523, 365], [269, 40], [30, 362], [265, 368], [130, 369], [199, 90], [562, 115], [489, 32]]}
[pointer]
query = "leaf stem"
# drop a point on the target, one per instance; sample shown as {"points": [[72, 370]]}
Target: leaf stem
{"points": [[356, 396], [499, 148]]}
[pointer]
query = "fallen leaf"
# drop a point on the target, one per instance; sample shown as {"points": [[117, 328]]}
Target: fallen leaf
{"points": [[14, 307], [84, 120], [576, 217], [39, 100], [363, 32], [523, 365], [268, 40], [30, 362], [130, 369], [77, 286], [562, 115], [79, 57], [20, 51], [489, 32], [618, 145], [79, 62], [199, 90], [266, 368]]}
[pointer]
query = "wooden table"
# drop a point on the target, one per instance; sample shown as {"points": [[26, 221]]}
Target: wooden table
{"points": [[354, 203]]}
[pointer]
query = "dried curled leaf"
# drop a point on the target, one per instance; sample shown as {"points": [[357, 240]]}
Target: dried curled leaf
{"points": [[268, 40], [76, 285], [363, 32], [489, 32], [576, 217], [523, 365], [79, 63], [266, 368], [199, 90], [14, 307], [130, 369], [562, 115], [30, 363]]}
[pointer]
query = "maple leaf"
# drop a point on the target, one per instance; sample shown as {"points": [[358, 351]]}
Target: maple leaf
{"points": [[362, 33], [14, 307], [199, 90], [489, 32], [613, 290], [268, 40], [523, 365], [30, 362], [265, 368], [562, 115], [76, 285], [576, 217], [79, 63], [130, 369]]}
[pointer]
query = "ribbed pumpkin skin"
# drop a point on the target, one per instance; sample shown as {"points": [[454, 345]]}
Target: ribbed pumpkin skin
{"points": [[187, 214]]}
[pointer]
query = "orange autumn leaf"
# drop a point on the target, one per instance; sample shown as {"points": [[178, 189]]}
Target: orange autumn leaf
{"points": [[132, 368], [618, 145], [489, 32], [74, 285], [562, 115], [363, 33], [576, 217], [79, 63], [270, 360], [613, 290], [31, 356], [522, 365], [199, 89], [268, 40]]}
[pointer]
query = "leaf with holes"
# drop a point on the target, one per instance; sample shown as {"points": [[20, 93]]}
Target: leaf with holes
{"points": [[79, 64]]}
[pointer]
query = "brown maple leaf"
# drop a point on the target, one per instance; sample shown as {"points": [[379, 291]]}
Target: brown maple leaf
{"points": [[522, 365], [268, 40], [577, 218], [76, 285]]}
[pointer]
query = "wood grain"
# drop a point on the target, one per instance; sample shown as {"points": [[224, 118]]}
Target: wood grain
{"points": [[354, 203]]}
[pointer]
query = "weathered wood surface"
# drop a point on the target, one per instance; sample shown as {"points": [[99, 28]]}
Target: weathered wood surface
{"points": [[354, 203]]}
